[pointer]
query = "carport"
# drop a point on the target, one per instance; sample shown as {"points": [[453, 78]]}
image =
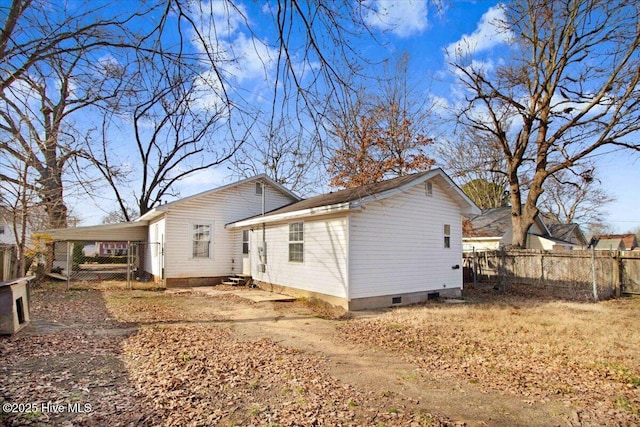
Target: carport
{"points": [[67, 267]]}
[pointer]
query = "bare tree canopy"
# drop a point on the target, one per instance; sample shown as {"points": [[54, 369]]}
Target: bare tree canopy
{"points": [[36, 30], [167, 77], [567, 89], [575, 196], [477, 164]]}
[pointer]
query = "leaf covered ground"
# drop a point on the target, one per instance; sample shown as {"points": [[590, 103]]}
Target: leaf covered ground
{"points": [[585, 355], [152, 358]]}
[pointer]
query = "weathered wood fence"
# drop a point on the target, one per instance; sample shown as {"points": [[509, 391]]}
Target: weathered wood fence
{"points": [[581, 275]]}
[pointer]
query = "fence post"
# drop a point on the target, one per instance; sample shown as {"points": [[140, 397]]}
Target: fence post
{"points": [[69, 262], [593, 273], [128, 265], [502, 271], [473, 265]]}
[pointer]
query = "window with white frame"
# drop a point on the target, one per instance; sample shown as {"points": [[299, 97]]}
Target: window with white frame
{"points": [[296, 242], [201, 235], [447, 236]]}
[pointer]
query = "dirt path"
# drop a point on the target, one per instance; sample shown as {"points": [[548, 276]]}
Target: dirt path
{"points": [[295, 326], [88, 347]]}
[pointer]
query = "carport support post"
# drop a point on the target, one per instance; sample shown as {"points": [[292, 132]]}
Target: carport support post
{"points": [[593, 272], [69, 263], [474, 268]]}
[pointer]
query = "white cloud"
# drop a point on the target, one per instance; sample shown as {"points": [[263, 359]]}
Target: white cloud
{"points": [[402, 18], [202, 180], [240, 57], [254, 58], [487, 35]]}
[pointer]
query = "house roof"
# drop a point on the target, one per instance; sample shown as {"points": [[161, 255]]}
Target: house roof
{"points": [[159, 210], [629, 240], [124, 231], [609, 244], [495, 222], [353, 198], [567, 232], [492, 222]]}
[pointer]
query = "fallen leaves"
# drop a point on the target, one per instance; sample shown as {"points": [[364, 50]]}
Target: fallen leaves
{"points": [[549, 351], [148, 358], [208, 376]]}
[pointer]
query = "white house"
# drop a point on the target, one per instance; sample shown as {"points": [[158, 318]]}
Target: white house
{"points": [[391, 243], [187, 243]]}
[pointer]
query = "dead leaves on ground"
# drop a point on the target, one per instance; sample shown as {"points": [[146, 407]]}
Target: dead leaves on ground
{"points": [[194, 375], [145, 358], [536, 357]]}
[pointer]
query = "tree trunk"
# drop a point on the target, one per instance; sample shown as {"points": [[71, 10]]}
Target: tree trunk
{"points": [[524, 215]]}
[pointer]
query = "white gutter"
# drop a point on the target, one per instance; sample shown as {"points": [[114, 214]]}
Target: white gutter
{"points": [[304, 213]]}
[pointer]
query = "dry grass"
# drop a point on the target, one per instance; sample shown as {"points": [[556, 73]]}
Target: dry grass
{"points": [[587, 354]]}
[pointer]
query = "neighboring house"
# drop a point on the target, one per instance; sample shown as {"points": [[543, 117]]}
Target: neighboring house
{"points": [[614, 242], [112, 248], [7, 236], [571, 232], [492, 230], [8, 249], [391, 243]]}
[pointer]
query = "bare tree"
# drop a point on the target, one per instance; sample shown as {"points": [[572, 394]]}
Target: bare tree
{"points": [[56, 63], [36, 127], [575, 197], [477, 165], [116, 216], [568, 91], [286, 154], [174, 132]]}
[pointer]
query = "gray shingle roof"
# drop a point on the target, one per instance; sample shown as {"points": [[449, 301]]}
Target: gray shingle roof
{"points": [[350, 194], [490, 223]]}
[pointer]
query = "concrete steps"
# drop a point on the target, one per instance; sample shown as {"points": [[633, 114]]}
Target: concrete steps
{"points": [[238, 280]]}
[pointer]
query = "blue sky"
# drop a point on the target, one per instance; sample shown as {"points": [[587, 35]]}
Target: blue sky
{"points": [[424, 29]]}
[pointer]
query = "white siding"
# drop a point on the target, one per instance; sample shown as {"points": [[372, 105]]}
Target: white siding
{"points": [[218, 208], [324, 269], [397, 244], [469, 244]]}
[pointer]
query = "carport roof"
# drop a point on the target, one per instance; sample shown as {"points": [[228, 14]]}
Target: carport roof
{"points": [[125, 231]]}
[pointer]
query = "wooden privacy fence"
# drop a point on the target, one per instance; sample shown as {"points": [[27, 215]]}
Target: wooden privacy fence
{"points": [[584, 274]]}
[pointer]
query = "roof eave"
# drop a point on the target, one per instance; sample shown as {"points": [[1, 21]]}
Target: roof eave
{"points": [[300, 214]]}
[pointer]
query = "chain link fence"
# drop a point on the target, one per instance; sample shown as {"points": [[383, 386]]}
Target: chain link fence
{"points": [[117, 263]]}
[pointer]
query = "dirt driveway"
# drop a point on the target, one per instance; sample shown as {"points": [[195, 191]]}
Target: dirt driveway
{"points": [[160, 358], [384, 372]]}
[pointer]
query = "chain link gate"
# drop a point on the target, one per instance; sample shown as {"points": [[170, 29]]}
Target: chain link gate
{"points": [[87, 261]]}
